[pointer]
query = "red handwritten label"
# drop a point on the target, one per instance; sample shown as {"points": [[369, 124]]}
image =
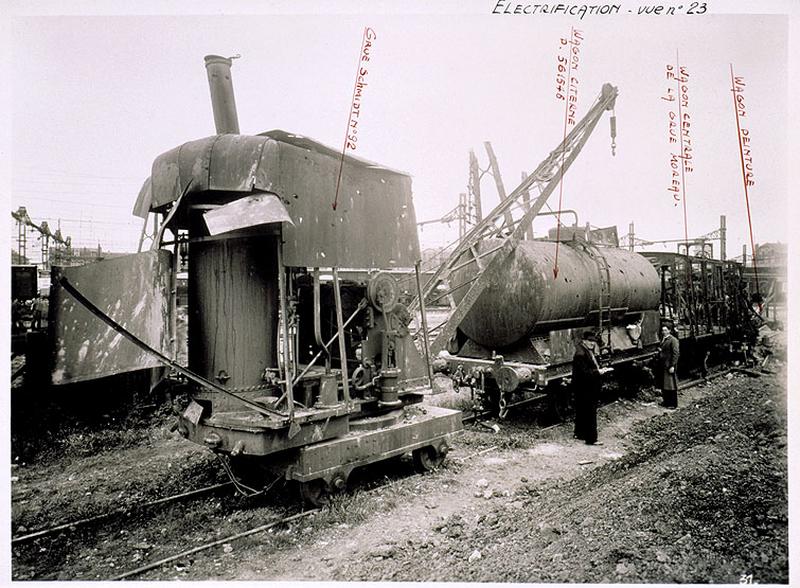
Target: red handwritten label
{"points": [[566, 77], [745, 156], [351, 132], [744, 134], [568, 60], [679, 135]]}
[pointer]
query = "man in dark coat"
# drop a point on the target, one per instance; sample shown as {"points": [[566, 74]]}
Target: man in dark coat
{"points": [[586, 388], [668, 362]]}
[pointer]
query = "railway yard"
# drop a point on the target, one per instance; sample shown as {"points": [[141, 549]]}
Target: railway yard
{"points": [[695, 495], [283, 384]]}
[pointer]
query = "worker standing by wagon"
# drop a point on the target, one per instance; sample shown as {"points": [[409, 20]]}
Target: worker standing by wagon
{"points": [[586, 388], [668, 363]]}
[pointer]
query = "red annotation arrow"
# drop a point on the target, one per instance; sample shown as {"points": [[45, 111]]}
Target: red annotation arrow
{"points": [[737, 87], [351, 131]]}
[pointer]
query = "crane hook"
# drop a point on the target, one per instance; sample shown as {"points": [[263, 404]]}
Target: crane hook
{"points": [[613, 121]]}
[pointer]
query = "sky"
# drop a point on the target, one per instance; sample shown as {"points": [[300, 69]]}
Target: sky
{"points": [[95, 98]]}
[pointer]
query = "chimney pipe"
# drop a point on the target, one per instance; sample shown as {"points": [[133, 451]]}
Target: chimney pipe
{"points": [[222, 101]]}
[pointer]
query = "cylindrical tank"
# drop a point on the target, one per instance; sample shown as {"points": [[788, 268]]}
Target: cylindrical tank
{"points": [[222, 101], [233, 308], [526, 299]]}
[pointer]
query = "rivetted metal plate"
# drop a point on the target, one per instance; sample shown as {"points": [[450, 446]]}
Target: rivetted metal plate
{"points": [[435, 426], [527, 299], [372, 226], [234, 162], [134, 291], [249, 211]]}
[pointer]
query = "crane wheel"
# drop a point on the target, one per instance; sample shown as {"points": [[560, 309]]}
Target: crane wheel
{"points": [[427, 458]]}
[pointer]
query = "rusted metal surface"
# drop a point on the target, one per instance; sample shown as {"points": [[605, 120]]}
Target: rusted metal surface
{"points": [[235, 164], [134, 291], [143, 201], [524, 298], [435, 426], [246, 212], [257, 437], [606, 236], [222, 100], [374, 224], [233, 311]]}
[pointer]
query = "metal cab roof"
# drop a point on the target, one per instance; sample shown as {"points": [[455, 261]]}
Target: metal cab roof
{"points": [[373, 225]]}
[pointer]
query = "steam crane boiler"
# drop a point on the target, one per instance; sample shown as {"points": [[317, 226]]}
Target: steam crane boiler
{"points": [[517, 305], [300, 362]]}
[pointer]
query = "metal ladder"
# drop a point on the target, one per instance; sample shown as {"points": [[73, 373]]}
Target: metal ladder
{"points": [[604, 296]]}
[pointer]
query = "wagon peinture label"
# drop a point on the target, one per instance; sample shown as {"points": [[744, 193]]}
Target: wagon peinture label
{"points": [[738, 86]]}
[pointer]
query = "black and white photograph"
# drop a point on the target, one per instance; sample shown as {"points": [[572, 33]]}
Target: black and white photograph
{"points": [[491, 291]]}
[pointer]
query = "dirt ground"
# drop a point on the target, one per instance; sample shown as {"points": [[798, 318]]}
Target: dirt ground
{"points": [[694, 495]]}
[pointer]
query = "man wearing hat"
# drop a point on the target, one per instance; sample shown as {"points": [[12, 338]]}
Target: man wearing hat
{"points": [[586, 388], [668, 355]]}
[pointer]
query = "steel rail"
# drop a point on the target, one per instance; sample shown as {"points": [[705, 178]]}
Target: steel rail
{"points": [[708, 378], [253, 531], [206, 546], [121, 511]]}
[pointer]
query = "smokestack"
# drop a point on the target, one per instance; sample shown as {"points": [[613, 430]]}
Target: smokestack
{"points": [[222, 101]]}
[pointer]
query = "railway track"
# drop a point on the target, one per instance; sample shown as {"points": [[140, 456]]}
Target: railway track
{"points": [[32, 544], [273, 522], [300, 515], [277, 522], [255, 530], [72, 525], [47, 553]]}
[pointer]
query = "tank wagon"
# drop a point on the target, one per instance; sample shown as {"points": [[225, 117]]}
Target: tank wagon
{"points": [[300, 362], [529, 317], [518, 305], [519, 337]]}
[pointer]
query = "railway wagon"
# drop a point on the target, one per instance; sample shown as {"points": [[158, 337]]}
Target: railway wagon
{"points": [[708, 304], [520, 335], [24, 282]]}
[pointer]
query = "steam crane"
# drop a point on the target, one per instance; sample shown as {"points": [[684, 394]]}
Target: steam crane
{"points": [[505, 231], [300, 362]]}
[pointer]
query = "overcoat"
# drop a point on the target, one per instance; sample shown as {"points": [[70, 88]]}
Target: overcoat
{"points": [[668, 357], [586, 388], [585, 371]]}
